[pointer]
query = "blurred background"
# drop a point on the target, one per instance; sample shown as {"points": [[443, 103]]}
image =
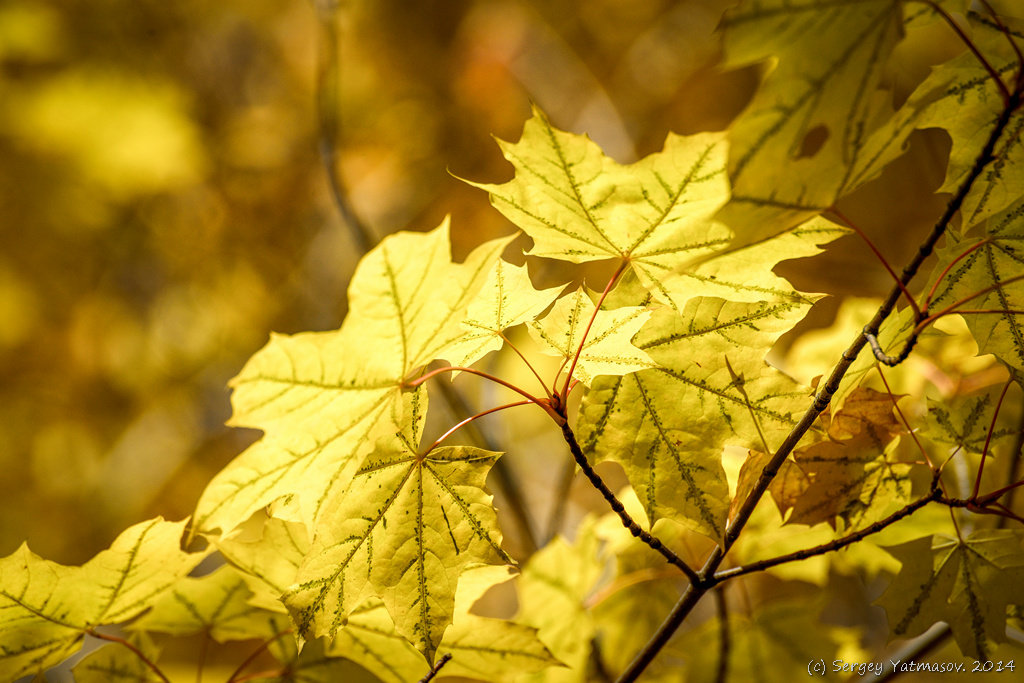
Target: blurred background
{"points": [[164, 204]]}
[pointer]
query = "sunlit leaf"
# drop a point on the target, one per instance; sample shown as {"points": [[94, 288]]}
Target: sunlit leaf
{"points": [[324, 397], [481, 648], [47, 608], [667, 426], [216, 604], [268, 559], [745, 274], [409, 525], [851, 471], [607, 349], [968, 108], [579, 205], [963, 423], [802, 142], [967, 583], [985, 277], [553, 589], [507, 298], [115, 663]]}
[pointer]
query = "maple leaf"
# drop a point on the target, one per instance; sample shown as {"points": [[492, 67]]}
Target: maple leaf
{"points": [[322, 398], [607, 349], [506, 299], [482, 648], [967, 583], [579, 205], [985, 261], [217, 604], [963, 423], [817, 112], [406, 528], [116, 663], [553, 589], [786, 487], [773, 643], [666, 426], [850, 472], [968, 106], [47, 608], [744, 274], [269, 560]]}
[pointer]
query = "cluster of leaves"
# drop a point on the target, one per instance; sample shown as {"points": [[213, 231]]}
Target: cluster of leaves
{"points": [[351, 543]]}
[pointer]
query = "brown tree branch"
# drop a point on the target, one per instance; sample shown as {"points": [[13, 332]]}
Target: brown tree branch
{"points": [[696, 590], [128, 644], [438, 665]]}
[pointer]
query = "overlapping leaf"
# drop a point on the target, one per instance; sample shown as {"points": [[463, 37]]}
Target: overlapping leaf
{"points": [[988, 278], [967, 583], [482, 648], [667, 426], [117, 664], [553, 590], [745, 274], [323, 397], [851, 473], [815, 115], [217, 604], [607, 349], [268, 561], [787, 486], [406, 529], [579, 205], [969, 106], [46, 608], [963, 423], [506, 299]]}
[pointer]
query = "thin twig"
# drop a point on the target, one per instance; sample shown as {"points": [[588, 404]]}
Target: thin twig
{"points": [[203, 649], [1003, 91], [590, 323], [923, 322], [436, 668], [833, 545], [234, 678], [885, 359], [412, 384], [619, 509], [881, 258], [696, 590], [949, 267], [440, 439], [138, 653], [988, 439]]}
